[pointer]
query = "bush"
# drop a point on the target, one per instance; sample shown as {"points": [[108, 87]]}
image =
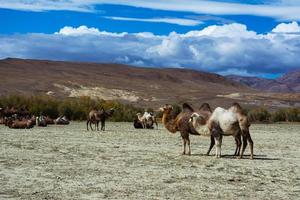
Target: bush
{"points": [[72, 108], [259, 115]]}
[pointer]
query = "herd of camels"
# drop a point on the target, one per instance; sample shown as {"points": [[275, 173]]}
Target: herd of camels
{"points": [[215, 124], [203, 121]]}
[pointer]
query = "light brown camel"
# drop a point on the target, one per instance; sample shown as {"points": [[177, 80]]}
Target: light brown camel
{"points": [[96, 116], [179, 123], [93, 118]]}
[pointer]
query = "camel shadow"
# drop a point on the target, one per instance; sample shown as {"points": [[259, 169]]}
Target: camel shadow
{"points": [[246, 156]]}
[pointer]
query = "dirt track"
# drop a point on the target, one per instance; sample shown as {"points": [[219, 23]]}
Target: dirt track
{"points": [[67, 162]]}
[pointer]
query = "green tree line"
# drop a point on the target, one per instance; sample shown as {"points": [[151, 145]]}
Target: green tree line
{"points": [[78, 109], [72, 108]]}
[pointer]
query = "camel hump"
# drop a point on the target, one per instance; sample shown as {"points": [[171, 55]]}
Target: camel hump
{"points": [[187, 108], [205, 107], [236, 107]]}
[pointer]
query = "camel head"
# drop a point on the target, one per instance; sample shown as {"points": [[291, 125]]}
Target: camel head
{"points": [[139, 115], [166, 109], [198, 121], [236, 107]]}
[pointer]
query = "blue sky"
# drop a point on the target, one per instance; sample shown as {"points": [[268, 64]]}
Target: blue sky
{"points": [[258, 37]]}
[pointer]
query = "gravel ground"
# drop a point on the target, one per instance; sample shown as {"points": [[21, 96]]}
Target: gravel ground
{"points": [[67, 162]]}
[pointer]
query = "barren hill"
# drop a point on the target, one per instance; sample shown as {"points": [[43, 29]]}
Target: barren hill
{"points": [[134, 85], [289, 82]]}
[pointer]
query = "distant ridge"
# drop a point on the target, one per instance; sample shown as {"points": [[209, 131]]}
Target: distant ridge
{"points": [[149, 87], [288, 83]]}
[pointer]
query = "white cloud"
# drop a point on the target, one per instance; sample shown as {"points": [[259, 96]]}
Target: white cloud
{"points": [[221, 49], [283, 10], [233, 30], [84, 30], [292, 27], [178, 21]]}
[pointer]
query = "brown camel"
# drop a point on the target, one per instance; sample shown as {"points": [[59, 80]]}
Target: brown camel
{"points": [[179, 123], [20, 124], [96, 116], [244, 124], [93, 118]]}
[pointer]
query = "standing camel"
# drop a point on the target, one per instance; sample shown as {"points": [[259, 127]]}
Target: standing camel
{"points": [[96, 116], [93, 118], [179, 123], [224, 122]]}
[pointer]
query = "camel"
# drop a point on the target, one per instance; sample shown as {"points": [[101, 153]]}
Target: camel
{"points": [[96, 116], [206, 112], [142, 119], [179, 123], [20, 124], [147, 119], [93, 118], [41, 121], [224, 122], [244, 124], [62, 121], [137, 124]]}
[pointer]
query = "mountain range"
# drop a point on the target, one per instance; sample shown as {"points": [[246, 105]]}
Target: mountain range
{"points": [[288, 83], [142, 86]]}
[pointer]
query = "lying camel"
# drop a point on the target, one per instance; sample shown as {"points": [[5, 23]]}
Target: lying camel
{"points": [[147, 120], [20, 124], [180, 122], [41, 121], [61, 121], [224, 122]]}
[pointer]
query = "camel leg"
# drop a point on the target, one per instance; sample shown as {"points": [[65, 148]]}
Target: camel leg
{"points": [[238, 143], [87, 124], [103, 125], [212, 143], [184, 145], [91, 125], [156, 124], [97, 125], [189, 146], [218, 141], [250, 145], [243, 146]]}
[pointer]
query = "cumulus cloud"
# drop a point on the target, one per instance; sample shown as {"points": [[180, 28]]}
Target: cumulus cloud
{"points": [[292, 27], [221, 49]]}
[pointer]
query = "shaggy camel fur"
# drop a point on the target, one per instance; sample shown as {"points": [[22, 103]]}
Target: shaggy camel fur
{"points": [[224, 122], [206, 111], [179, 123]]}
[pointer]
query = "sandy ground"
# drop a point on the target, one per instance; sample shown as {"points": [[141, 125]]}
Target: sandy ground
{"points": [[67, 162]]}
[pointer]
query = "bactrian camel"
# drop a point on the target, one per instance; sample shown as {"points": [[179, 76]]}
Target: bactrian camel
{"points": [[224, 122]]}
